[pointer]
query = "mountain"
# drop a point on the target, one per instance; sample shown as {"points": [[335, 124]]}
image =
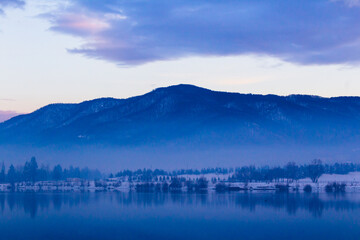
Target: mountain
{"points": [[186, 112], [186, 116]]}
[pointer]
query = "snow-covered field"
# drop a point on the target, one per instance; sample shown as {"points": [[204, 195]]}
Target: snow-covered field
{"points": [[352, 177], [218, 177], [351, 180]]}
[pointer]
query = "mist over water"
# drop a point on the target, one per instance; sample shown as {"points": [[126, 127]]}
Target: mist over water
{"points": [[116, 215], [112, 158]]}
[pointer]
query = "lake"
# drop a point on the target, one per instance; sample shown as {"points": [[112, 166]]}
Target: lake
{"points": [[115, 215]]}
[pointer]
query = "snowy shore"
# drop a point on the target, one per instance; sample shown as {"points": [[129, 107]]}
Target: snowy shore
{"points": [[351, 183]]}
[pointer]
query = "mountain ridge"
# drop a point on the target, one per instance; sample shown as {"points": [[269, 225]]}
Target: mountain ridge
{"points": [[189, 112], [186, 126]]}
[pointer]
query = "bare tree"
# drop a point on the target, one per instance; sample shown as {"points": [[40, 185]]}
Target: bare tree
{"points": [[316, 169]]}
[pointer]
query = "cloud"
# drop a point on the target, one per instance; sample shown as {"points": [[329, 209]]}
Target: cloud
{"points": [[10, 3], [7, 99], [81, 24], [132, 32]]}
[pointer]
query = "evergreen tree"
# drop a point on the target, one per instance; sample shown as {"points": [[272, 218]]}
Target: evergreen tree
{"points": [[11, 176], [2, 173], [43, 173], [33, 169], [26, 172], [57, 173], [30, 170]]}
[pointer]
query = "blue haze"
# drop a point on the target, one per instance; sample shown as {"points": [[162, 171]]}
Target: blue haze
{"points": [[187, 126]]}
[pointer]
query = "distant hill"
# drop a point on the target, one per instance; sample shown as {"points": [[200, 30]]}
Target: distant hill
{"points": [[186, 115], [189, 113]]}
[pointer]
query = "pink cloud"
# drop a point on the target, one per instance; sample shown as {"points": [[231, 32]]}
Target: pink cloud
{"points": [[83, 24]]}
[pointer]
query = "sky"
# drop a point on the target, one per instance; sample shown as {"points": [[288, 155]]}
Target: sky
{"points": [[74, 50]]}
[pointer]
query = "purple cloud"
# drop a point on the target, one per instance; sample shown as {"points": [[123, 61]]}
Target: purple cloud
{"points": [[10, 3], [133, 32]]}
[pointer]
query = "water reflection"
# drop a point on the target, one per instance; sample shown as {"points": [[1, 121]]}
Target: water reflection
{"points": [[315, 204]]}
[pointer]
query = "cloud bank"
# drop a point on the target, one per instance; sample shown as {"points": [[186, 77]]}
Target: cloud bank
{"points": [[10, 3], [133, 32]]}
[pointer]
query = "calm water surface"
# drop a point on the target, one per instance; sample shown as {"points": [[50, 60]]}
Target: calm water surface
{"points": [[179, 216]]}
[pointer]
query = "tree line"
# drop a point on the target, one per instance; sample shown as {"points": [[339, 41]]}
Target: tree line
{"points": [[149, 173], [292, 171], [31, 172]]}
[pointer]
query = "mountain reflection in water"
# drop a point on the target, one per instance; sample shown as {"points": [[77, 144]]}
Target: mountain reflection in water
{"points": [[159, 216], [315, 204]]}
